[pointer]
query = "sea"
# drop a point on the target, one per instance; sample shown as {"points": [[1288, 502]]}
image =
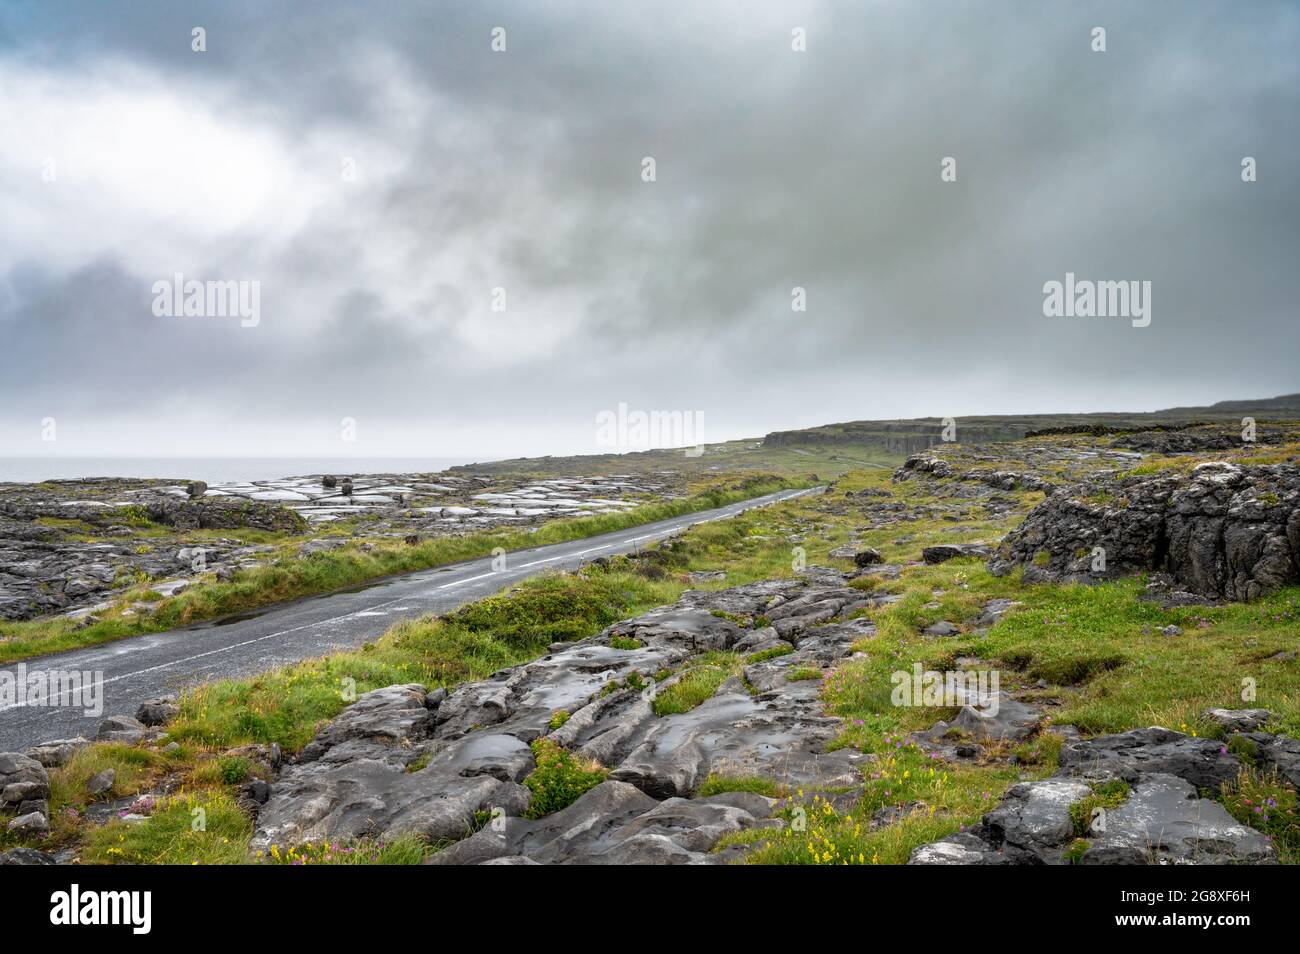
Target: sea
{"points": [[216, 470]]}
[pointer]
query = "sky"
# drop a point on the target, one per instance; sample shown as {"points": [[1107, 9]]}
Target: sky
{"points": [[458, 251]]}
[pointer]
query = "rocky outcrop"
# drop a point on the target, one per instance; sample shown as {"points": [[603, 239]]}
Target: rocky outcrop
{"points": [[402, 759], [929, 465], [1159, 817], [224, 513], [1221, 531], [1195, 439]]}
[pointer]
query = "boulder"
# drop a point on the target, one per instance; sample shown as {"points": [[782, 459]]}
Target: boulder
{"points": [[101, 782], [942, 552], [942, 628], [158, 711], [868, 556], [1239, 720], [57, 752], [31, 823], [121, 729]]}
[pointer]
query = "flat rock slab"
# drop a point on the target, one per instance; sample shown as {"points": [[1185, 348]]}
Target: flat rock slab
{"points": [[1205, 763], [614, 823], [1163, 819], [401, 759], [1164, 822]]}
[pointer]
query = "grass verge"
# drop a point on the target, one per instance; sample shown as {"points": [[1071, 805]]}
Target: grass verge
{"points": [[291, 577]]}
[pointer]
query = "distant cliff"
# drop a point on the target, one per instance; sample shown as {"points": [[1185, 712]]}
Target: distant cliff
{"points": [[911, 436]]}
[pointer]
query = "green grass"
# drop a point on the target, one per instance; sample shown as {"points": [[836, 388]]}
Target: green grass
{"points": [[287, 705], [560, 778], [291, 577], [1100, 649], [404, 850], [719, 784], [1265, 801], [198, 828], [699, 682], [803, 673]]}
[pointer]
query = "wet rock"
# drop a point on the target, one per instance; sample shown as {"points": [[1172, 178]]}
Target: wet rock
{"points": [[1034, 818], [365, 773], [779, 734], [522, 700], [196, 488], [1278, 753], [1162, 821], [614, 823], [361, 788], [392, 715], [1202, 762], [959, 849]]}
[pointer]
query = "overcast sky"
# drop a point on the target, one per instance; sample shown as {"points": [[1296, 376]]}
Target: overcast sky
{"points": [[127, 157]]}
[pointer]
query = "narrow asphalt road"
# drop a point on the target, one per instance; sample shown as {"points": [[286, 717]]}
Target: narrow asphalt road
{"points": [[140, 667]]}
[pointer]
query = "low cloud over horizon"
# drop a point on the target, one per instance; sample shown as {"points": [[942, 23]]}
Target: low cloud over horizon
{"points": [[388, 180]]}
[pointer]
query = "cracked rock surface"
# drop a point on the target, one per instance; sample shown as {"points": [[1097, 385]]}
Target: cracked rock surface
{"points": [[1222, 531], [1162, 820], [402, 759]]}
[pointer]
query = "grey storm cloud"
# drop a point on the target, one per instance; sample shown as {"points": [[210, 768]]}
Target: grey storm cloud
{"points": [[521, 170]]}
